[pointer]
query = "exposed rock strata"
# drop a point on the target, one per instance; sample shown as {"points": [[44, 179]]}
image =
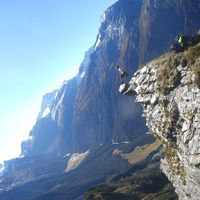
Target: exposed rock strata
{"points": [[168, 88]]}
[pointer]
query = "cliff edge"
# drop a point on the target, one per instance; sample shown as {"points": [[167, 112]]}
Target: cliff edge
{"points": [[169, 90]]}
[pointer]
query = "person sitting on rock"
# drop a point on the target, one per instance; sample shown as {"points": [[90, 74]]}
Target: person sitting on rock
{"points": [[182, 41], [185, 41], [122, 73]]}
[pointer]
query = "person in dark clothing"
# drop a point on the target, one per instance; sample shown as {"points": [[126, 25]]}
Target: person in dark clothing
{"points": [[182, 42], [177, 48], [122, 73]]}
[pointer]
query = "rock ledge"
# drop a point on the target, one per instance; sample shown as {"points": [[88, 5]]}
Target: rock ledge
{"points": [[169, 90]]}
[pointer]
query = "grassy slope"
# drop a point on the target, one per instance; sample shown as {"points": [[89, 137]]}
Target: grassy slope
{"points": [[141, 153], [144, 181]]}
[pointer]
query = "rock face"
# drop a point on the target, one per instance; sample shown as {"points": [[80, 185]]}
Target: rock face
{"points": [[169, 90], [89, 111]]}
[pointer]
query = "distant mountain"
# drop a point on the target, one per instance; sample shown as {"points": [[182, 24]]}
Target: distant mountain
{"points": [[54, 122], [88, 114]]}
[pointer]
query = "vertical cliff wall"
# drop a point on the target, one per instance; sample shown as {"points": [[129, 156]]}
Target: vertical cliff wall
{"points": [[89, 111]]}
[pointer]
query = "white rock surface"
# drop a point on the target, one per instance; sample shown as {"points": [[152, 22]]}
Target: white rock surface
{"points": [[173, 116], [75, 160]]}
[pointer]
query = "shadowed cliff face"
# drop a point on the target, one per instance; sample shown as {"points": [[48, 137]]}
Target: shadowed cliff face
{"points": [[132, 32], [91, 111], [101, 114], [161, 20]]}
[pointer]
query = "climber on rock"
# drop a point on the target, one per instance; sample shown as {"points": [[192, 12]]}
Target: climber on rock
{"points": [[122, 73]]}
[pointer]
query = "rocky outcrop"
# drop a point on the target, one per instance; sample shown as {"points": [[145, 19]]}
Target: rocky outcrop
{"points": [[169, 90]]}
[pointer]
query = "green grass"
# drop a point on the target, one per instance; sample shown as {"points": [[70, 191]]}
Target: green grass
{"points": [[146, 181]]}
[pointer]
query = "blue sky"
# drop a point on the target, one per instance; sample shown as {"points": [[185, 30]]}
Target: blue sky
{"points": [[42, 43]]}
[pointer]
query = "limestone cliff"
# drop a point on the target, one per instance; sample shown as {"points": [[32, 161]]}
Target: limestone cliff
{"points": [[169, 90]]}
